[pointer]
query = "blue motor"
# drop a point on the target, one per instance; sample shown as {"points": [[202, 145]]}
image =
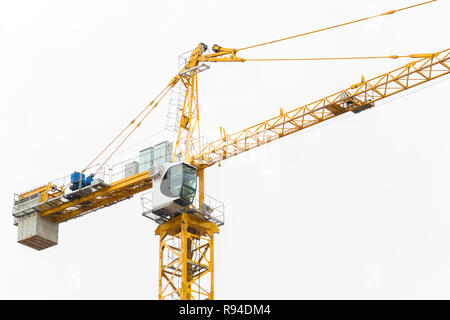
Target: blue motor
{"points": [[79, 180]]}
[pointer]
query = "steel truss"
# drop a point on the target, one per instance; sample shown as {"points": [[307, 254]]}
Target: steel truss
{"points": [[186, 258]]}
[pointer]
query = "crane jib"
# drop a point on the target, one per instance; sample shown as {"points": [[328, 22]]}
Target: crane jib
{"points": [[356, 98]]}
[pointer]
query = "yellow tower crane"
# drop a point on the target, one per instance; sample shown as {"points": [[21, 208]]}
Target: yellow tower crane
{"points": [[188, 219]]}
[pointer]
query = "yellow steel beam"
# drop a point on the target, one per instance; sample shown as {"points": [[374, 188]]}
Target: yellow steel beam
{"points": [[117, 191], [188, 137], [356, 96]]}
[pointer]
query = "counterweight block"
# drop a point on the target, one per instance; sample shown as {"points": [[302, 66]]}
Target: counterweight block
{"points": [[37, 232]]}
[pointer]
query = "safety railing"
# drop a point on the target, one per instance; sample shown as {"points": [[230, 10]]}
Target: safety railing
{"points": [[56, 189]]}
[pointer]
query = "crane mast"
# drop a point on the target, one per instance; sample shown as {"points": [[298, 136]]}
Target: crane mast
{"points": [[187, 225], [356, 98]]}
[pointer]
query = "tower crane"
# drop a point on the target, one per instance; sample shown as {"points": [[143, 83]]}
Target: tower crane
{"points": [[187, 217]]}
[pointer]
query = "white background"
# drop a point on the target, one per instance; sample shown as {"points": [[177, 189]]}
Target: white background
{"points": [[356, 208]]}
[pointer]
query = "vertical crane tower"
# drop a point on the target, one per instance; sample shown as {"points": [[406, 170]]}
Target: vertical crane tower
{"points": [[187, 223]]}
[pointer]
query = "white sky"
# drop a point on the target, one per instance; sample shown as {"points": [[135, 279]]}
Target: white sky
{"points": [[357, 208]]}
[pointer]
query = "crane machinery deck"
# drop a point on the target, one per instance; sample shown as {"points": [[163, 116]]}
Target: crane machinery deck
{"points": [[187, 217]]}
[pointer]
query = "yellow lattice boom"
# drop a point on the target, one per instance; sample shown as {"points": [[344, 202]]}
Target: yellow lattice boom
{"points": [[187, 236]]}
